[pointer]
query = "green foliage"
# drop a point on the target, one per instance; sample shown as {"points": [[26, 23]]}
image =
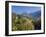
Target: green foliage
{"points": [[22, 23]]}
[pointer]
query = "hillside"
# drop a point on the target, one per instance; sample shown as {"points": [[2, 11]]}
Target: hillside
{"points": [[22, 23], [26, 21]]}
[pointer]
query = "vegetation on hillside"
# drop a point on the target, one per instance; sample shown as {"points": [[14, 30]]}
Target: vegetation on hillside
{"points": [[24, 23]]}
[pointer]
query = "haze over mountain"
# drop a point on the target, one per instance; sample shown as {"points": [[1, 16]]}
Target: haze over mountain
{"points": [[34, 15]]}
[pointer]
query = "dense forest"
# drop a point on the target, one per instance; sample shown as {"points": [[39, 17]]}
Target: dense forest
{"points": [[21, 22]]}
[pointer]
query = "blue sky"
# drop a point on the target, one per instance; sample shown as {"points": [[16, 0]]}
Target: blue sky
{"points": [[28, 9]]}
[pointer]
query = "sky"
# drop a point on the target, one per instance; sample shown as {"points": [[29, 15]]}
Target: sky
{"points": [[27, 9]]}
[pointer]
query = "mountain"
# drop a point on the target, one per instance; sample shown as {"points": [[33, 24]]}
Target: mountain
{"points": [[35, 15], [28, 17]]}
